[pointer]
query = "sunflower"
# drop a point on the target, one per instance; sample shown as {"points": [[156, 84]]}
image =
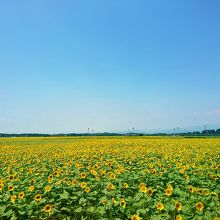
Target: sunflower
{"points": [[56, 173], [117, 171], [150, 191], [47, 208], [143, 189], [123, 203], [182, 170], [82, 175], [13, 198], [125, 185], [11, 178], [170, 187], [21, 195], [37, 197], [75, 182], [77, 164], [153, 171], [205, 192], [50, 180], [179, 217], [199, 190], [187, 177], [160, 206], [48, 188], [112, 176], [150, 165], [83, 185], [32, 181], [141, 184], [10, 187], [93, 172], [104, 202], [111, 186], [87, 190], [178, 165], [50, 176], [178, 206], [135, 217], [114, 201], [68, 183], [58, 182], [199, 206], [168, 192], [191, 189]]}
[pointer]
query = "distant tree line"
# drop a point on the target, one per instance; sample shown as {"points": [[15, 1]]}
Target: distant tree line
{"points": [[59, 135], [211, 132], [206, 132]]}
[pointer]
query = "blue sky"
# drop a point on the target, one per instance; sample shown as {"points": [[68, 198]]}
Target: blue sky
{"points": [[109, 65]]}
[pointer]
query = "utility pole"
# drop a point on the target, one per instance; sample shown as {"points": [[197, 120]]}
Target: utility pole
{"points": [[178, 130], [205, 129]]}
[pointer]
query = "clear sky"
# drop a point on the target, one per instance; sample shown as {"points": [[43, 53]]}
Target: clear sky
{"points": [[109, 65]]}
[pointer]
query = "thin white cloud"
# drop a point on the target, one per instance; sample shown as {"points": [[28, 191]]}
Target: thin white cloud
{"points": [[214, 112], [195, 113]]}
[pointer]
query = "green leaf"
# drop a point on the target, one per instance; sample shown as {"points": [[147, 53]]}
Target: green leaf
{"points": [[30, 212], [212, 204], [21, 212], [9, 213], [65, 209], [64, 195], [78, 210], [82, 201], [155, 217], [13, 217], [2, 211], [142, 211], [91, 209], [101, 210]]}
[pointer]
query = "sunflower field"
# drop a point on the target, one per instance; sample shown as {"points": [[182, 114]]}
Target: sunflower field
{"points": [[110, 178]]}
